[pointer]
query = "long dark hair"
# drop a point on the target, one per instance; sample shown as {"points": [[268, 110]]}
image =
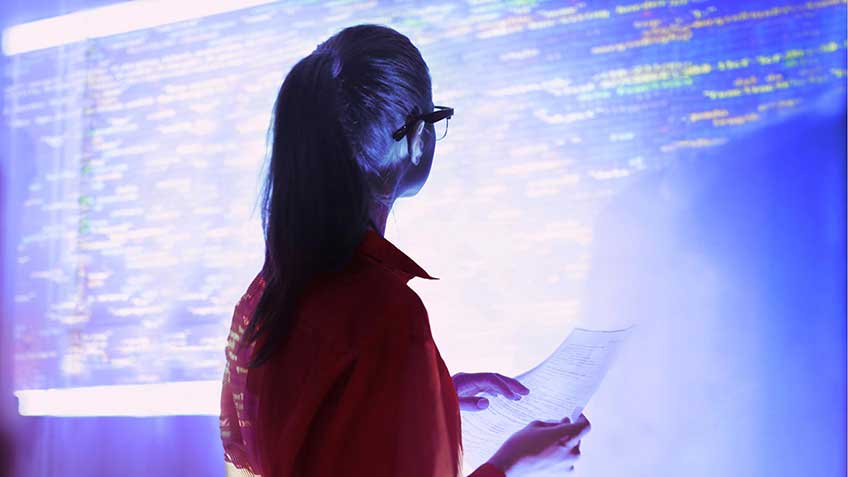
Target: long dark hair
{"points": [[332, 127]]}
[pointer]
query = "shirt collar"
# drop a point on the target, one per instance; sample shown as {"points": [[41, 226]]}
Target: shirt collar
{"points": [[380, 249]]}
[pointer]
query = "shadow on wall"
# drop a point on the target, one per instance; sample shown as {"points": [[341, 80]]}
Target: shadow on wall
{"points": [[732, 264]]}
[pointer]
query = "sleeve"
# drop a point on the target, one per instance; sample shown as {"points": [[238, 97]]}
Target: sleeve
{"points": [[398, 413], [228, 422], [231, 438], [428, 415], [487, 470]]}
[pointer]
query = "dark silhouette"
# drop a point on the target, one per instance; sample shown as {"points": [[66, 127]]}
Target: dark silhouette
{"points": [[331, 367]]}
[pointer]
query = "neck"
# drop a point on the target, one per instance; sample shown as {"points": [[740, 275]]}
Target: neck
{"points": [[379, 214]]}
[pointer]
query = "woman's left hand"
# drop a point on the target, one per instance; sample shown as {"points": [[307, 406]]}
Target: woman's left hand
{"points": [[468, 385]]}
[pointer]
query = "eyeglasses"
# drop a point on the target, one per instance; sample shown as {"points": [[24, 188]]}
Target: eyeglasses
{"points": [[435, 118]]}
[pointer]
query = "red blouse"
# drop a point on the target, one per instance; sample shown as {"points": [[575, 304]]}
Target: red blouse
{"points": [[359, 389]]}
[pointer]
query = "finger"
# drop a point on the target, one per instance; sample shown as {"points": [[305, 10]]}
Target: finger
{"points": [[508, 392], [564, 457], [572, 442], [539, 423], [576, 450], [469, 384], [573, 432], [473, 403], [583, 421], [514, 384], [579, 425], [569, 443], [498, 385]]}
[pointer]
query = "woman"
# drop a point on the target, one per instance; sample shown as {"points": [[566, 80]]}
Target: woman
{"points": [[332, 370]]}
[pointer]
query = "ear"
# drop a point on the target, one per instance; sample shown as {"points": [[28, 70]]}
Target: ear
{"points": [[415, 143]]}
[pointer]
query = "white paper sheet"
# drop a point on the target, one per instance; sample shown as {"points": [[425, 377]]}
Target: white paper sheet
{"points": [[560, 386]]}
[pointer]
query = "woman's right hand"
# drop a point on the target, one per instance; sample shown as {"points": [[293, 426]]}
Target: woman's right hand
{"points": [[553, 446]]}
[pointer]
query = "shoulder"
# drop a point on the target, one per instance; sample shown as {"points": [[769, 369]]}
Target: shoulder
{"points": [[372, 304], [404, 313], [394, 311]]}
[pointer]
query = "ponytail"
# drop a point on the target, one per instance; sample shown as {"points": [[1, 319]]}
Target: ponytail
{"points": [[315, 200]]}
